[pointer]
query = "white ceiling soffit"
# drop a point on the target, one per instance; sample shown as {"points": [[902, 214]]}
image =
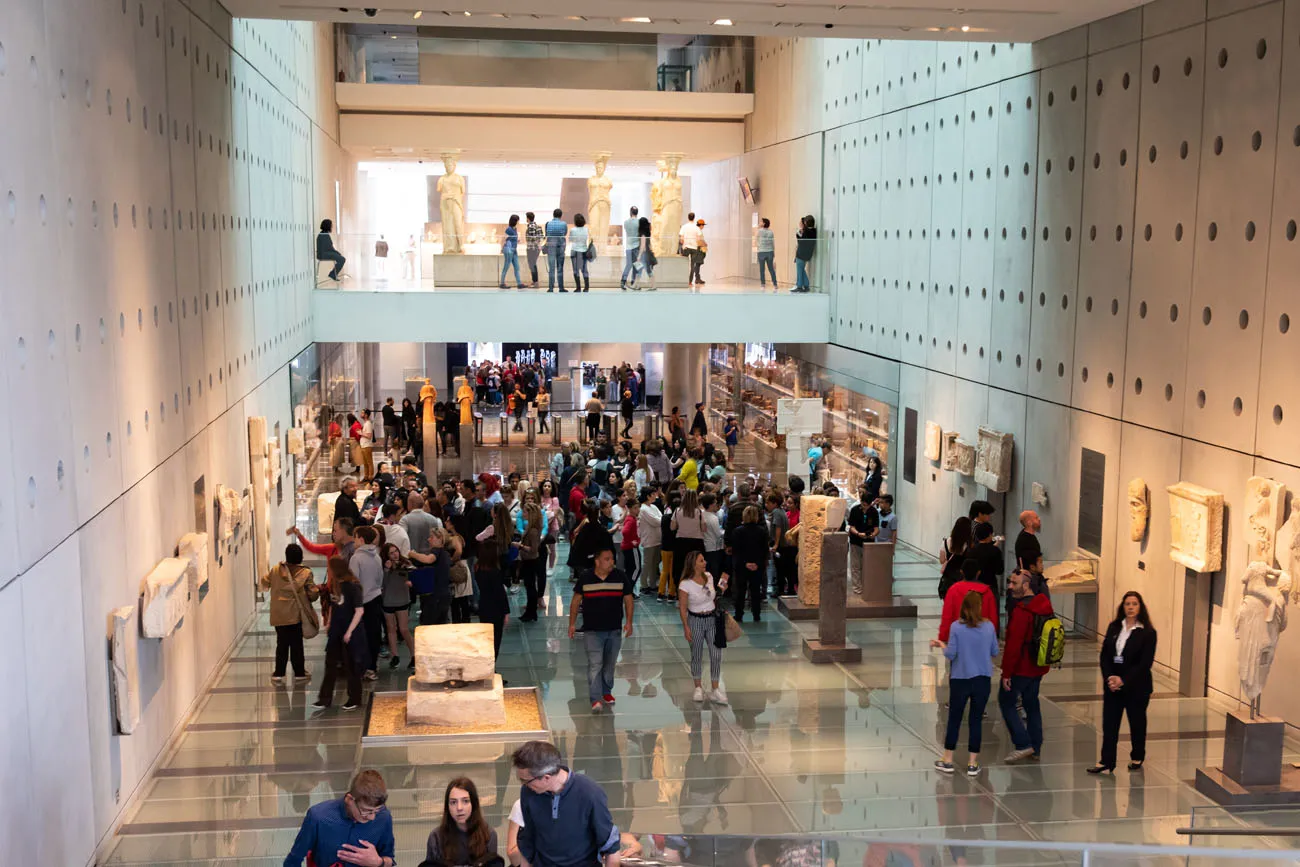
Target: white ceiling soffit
{"points": [[973, 20]]}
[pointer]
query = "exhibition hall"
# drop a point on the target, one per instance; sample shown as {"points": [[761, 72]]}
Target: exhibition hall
{"points": [[922, 374]]}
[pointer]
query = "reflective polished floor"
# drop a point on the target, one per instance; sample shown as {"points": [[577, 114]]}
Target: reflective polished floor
{"points": [[801, 748], [372, 283]]}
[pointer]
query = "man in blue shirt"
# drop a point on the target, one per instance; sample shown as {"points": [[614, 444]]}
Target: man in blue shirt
{"points": [[556, 230], [631, 245], [567, 822], [355, 829]]}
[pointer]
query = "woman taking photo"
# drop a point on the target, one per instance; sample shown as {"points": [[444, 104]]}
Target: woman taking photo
{"points": [[697, 596], [972, 644], [697, 603], [1127, 654], [347, 640], [463, 837]]}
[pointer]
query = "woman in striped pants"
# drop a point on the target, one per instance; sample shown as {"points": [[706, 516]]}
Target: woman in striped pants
{"points": [[697, 603]]}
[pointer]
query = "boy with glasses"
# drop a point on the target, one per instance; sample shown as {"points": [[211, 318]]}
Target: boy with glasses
{"points": [[354, 829]]}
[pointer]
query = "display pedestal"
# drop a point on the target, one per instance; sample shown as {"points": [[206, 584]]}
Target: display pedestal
{"points": [[454, 270], [1252, 772], [467, 451], [831, 643], [877, 583]]}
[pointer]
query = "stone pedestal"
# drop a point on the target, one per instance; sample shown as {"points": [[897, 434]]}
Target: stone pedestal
{"points": [[467, 451], [816, 514], [831, 644], [1252, 772], [439, 704]]}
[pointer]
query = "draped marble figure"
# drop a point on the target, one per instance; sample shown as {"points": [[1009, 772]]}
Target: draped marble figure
{"points": [[1261, 618]]}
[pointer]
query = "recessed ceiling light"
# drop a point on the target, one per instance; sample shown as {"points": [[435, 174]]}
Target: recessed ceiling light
{"points": [[468, 13], [418, 13], [634, 20], [722, 22], [965, 28], [392, 37]]}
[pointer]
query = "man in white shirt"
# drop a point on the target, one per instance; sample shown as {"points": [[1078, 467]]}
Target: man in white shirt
{"points": [[367, 445], [394, 532], [631, 245], [689, 236], [648, 527]]}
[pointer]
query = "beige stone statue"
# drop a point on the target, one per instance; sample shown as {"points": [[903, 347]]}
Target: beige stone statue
{"points": [[933, 441], [1138, 509], [465, 397], [1260, 621], [451, 188], [1265, 499], [657, 205], [598, 189], [671, 224]]}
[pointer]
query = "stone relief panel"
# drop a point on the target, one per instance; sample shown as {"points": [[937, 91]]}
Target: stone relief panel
{"points": [[933, 441], [1265, 500], [1196, 527], [1139, 508], [993, 460]]}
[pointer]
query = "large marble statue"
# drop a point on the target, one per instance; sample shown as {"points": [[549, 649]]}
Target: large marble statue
{"points": [[451, 188], [657, 206], [428, 420], [465, 397], [671, 224], [1260, 620], [598, 187]]}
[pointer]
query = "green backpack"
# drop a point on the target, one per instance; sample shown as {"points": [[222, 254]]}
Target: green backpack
{"points": [[1046, 645]]}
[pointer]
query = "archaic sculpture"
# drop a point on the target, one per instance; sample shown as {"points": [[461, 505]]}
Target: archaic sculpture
{"points": [[164, 597], [1139, 508], [993, 460], [598, 187], [817, 515], [126, 674], [1265, 499], [933, 441], [455, 680], [671, 192], [1260, 620], [948, 460], [1287, 549], [1196, 527], [964, 458], [451, 187], [465, 397], [1038, 494], [193, 549], [657, 206]]}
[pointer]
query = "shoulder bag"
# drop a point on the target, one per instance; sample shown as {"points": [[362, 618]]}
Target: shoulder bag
{"points": [[307, 615]]}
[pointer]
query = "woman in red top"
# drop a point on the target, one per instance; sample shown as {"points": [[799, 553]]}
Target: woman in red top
{"points": [[631, 543], [336, 442]]}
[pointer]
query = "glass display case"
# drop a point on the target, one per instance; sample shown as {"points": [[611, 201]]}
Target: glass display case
{"points": [[748, 379]]}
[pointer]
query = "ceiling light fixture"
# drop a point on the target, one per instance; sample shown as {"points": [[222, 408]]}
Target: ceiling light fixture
{"points": [[634, 21], [722, 22], [965, 28], [468, 13], [418, 13]]}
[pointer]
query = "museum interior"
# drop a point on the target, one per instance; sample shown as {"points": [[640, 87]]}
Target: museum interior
{"points": [[1045, 258]]}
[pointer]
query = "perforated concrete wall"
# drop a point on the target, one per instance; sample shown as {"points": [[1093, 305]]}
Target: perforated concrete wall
{"points": [[1089, 242], [160, 167]]}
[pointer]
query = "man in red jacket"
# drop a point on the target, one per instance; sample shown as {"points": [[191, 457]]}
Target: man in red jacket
{"points": [[956, 595], [1021, 674]]}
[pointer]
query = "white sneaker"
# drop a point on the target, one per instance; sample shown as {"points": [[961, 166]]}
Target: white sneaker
{"points": [[718, 696], [698, 695]]}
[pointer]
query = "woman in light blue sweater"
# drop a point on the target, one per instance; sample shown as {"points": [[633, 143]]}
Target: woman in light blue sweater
{"points": [[972, 644]]}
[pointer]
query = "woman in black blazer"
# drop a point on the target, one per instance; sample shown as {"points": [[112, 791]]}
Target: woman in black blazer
{"points": [[1127, 654]]}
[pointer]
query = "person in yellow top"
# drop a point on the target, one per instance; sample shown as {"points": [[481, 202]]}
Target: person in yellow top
{"points": [[690, 471]]}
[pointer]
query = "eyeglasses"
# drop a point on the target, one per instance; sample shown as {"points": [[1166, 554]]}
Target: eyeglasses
{"points": [[532, 780], [366, 812]]}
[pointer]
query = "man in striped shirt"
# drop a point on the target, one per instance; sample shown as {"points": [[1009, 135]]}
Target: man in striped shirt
{"points": [[604, 596]]}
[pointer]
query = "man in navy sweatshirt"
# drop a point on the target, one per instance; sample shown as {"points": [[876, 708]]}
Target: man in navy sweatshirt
{"points": [[567, 822], [355, 829]]}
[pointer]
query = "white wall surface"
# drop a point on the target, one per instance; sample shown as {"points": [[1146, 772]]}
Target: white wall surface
{"points": [[159, 198], [1087, 242]]}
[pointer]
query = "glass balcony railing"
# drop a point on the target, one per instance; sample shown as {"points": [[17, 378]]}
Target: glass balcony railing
{"points": [[411, 262]]}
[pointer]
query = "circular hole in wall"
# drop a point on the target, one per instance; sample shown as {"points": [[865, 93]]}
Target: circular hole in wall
{"points": [[1169, 392], [1243, 320], [1137, 385], [1205, 316], [1277, 414], [1236, 406], [1284, 323], [1200, 399]]}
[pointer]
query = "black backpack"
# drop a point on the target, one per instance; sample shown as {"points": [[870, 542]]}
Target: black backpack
{"points": [[951, 574]]}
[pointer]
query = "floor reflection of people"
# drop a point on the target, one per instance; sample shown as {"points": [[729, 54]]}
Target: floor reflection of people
{"points": [[706, 777]]}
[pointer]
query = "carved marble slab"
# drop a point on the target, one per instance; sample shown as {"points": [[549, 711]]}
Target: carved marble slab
{"points": [[297, 442], [126, 675], [964, 458], [1195, 527], [1038, 494], [993, 460], [454, 652], [948, 460], [1265, 500], [933, 441], [817, 516], [165, 595], [1139, 508], [432, 704], [256, 436], [193, 549]]}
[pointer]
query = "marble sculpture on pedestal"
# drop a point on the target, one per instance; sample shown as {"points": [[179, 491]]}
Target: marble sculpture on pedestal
{"points": [[451, 188], [671, 223], [657, 206], [817, 515], [1260, 620], [598, 190], [455, 680]]}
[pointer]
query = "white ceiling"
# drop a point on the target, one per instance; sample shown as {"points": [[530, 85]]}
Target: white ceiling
{"points": [[983, 20]]}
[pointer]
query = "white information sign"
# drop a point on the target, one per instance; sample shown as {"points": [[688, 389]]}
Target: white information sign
{"points": [[799, 415]]}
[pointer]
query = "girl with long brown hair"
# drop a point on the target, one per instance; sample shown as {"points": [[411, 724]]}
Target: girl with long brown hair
{"points": [[347, 640], [463, 837]]}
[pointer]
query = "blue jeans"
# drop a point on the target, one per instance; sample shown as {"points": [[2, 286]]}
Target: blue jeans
{"points": [[960, 690], [338, 260], [768, 259], [579, 258], [510, 257], [1026, 689], [800, 274], [629, 266], [602, 654], [555, 264]]}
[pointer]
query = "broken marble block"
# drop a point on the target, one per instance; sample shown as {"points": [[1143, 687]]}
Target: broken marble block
{"points": [[1195, 527], [193, 549], [126, 674], [817, 515], [948, 460], [964, 458], [933, 441], [1038, 494], [454, 652], [993, 460], [1265, 500], [272, 459], [1139, 509], [297, 442], [165, 595], [257, 436], [442, 705]]}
